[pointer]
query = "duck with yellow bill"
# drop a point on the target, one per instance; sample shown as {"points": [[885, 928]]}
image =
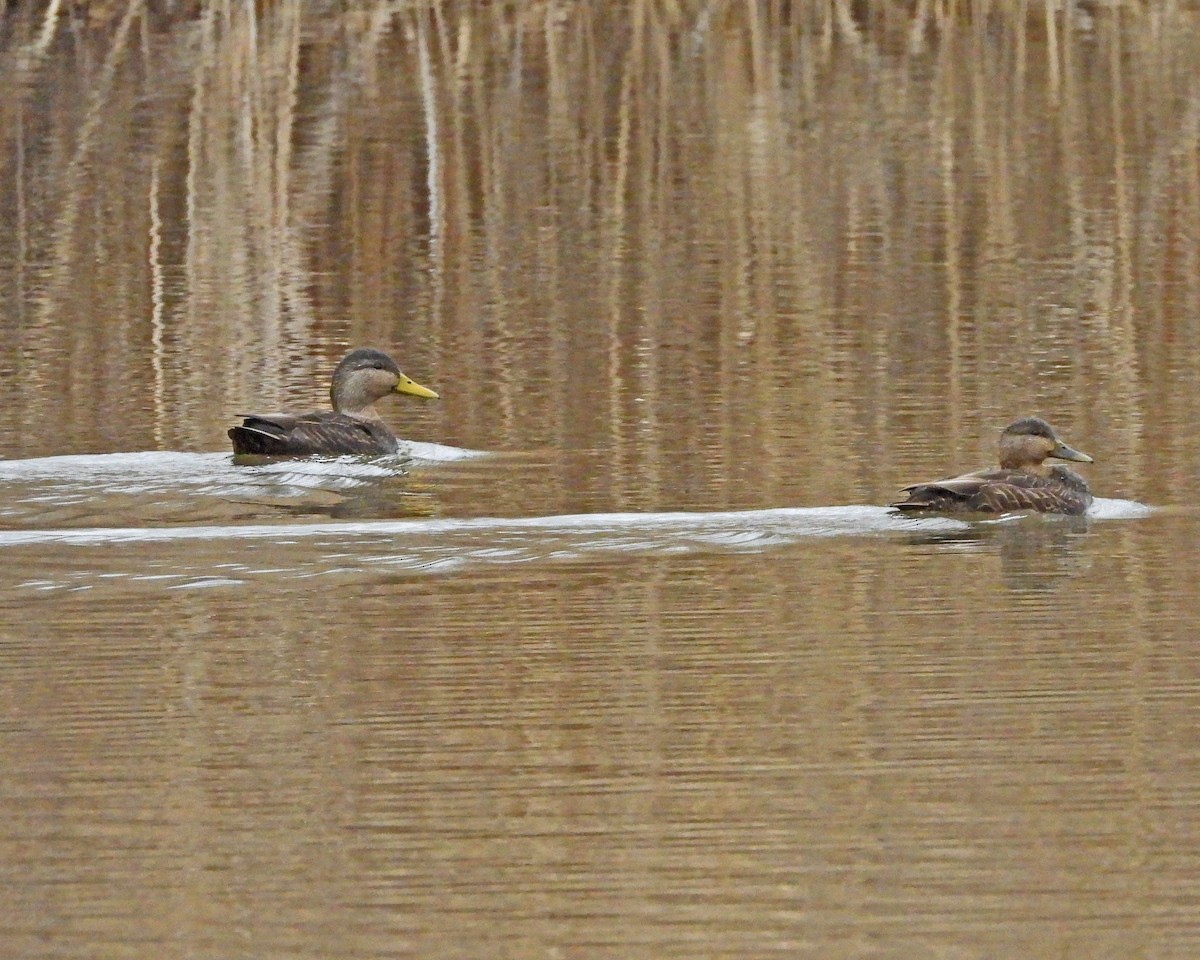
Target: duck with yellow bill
{"points": [[353, 426]]}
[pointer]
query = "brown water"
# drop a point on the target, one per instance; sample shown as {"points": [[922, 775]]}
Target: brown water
{"points": [[623, 656]]}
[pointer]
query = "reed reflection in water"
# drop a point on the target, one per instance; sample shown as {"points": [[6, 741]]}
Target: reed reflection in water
{"points": [[705, 242], [744, 268]]}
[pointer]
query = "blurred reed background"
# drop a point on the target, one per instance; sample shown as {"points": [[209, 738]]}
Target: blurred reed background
{"points": [[770, 228]]}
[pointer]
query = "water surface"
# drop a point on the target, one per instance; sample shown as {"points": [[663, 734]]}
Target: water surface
{"points": [[622, 655]]}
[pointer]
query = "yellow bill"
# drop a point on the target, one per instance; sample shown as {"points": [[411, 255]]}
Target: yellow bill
{"points": [[413, 389]]}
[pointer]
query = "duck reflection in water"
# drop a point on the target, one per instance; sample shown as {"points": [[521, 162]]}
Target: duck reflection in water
{"points": [[1023, 480], [351, 427], [1035, 552]]}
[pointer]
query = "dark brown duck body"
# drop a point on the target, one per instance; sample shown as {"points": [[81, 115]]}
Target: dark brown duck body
{"points": [[351, 427], [1023, 481]]}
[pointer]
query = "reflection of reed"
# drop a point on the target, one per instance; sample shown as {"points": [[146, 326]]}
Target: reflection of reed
{"points": [[241, 185], [668, 231]]}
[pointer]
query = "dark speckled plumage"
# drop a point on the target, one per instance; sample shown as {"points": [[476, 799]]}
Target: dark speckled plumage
{"points": [[351, 427], [1023, 481]]}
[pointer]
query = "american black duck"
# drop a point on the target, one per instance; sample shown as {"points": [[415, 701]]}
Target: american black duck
{"points": [[1023, 481], [352, 426]]}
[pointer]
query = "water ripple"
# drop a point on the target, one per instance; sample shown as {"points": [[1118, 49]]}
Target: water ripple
{"points": [[199, 556]]}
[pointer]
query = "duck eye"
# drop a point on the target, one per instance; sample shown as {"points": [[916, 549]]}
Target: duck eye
{"points": [[377, 365]]}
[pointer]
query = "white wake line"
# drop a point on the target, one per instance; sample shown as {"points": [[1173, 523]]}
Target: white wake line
{"points": [[791, 522], [199, 467]]}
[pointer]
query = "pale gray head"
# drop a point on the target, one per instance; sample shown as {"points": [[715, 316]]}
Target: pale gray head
{"points": [[364, 376], [1027, 442]]}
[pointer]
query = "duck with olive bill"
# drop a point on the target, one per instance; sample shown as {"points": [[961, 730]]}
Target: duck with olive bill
{"points": [[1022, 481]]}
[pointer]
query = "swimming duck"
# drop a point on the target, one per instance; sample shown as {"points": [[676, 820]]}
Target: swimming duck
{"points": [[1023, 481], [352, 426]]}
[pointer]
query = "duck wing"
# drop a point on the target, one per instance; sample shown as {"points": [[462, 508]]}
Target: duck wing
{"points": [[999, 491], [323, 432]]}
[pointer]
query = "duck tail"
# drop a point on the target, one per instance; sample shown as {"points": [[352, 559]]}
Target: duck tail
{"points": [[253, 440]]}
